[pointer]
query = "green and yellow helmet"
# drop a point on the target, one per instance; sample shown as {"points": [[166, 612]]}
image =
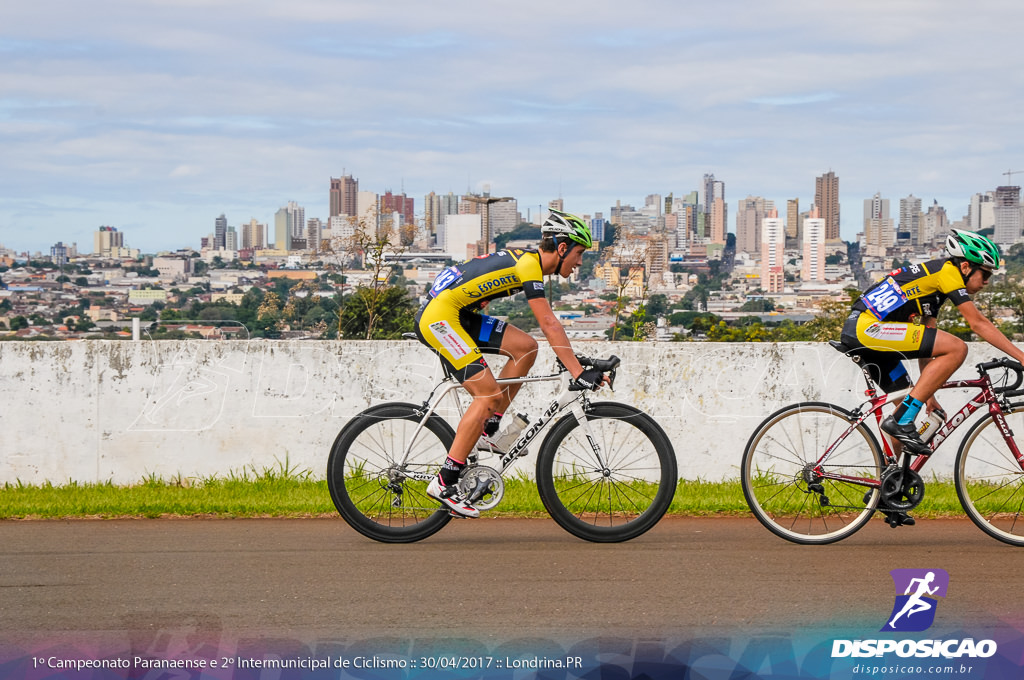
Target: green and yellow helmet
{"points": [[569, 226], [973, 247]]}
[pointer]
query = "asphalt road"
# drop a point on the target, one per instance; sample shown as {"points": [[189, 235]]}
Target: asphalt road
{"points": [[489, 579]]}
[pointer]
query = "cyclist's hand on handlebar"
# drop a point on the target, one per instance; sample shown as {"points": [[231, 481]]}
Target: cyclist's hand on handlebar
{"points": [[589, 379]]}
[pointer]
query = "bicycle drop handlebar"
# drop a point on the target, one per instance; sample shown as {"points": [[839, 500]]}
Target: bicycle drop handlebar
{"points": [[1009, 365]]}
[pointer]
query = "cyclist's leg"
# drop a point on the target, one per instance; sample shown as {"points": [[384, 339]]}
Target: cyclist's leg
{"points": [[948, 354], [521, 349], [486, 399], [496, 336]]}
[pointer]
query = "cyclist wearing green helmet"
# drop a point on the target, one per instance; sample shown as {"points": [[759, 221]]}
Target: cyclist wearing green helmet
{"points": [[896, 319], [451, 324]]}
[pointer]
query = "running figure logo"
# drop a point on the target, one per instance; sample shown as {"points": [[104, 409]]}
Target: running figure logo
{"points": [[916, 590]]}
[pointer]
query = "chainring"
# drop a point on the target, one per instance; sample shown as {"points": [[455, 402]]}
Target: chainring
{"points": [[901, 489], [485, 482]]}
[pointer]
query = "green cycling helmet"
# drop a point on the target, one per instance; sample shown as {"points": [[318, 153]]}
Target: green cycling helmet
{"points": [[973, 247], [561, 223]]}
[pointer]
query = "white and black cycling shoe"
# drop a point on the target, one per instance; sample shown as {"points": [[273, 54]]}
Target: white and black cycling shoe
{"points": [[451, 498], [489, 445], [906, 435]]}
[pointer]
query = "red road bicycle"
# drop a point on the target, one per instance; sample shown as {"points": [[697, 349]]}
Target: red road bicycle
{"points": [[814, 473]]}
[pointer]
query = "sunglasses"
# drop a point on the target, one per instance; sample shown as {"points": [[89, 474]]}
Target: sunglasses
{"points": [[986, 274]]}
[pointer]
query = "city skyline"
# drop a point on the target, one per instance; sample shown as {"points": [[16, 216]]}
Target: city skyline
{"points": [[157, 119]]}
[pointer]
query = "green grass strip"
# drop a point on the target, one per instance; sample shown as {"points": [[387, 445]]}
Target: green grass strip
{"points": [[286, 493]]}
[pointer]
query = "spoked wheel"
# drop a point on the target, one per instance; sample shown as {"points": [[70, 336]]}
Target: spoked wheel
{"points": [[989, 480], [795, 497], [377, 493], [616, 494]]}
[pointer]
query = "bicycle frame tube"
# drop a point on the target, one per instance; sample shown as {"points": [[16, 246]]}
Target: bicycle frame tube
{"points": [[554, 408], [449, 385], [985, 396]]}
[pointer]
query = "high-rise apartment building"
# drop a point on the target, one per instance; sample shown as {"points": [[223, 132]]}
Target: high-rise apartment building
{"points": [[106, 239], [793, 218], [289, 223], [398, 203], [910, 221], [826, 198], [935, 223], [879, 230], [750, 214], [773, 253], [314, 234], [1007, 216], [981, 213], [254, 235], [220, 228], [230, 239], [343, 198], [815, 231]]}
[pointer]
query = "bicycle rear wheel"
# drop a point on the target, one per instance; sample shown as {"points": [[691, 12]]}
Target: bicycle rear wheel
{"points": [[786, 494], [989, 480], [377, 494], [618, 497]]}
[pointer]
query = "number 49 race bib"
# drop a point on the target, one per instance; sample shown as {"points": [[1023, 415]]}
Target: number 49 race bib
{"points": [[886, 297]]}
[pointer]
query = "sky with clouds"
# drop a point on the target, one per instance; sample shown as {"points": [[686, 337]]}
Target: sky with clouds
{"points": [[156, 116]]}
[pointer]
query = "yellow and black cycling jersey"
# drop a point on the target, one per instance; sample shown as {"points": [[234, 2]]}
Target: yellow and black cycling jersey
{"points": [[495, 275], [917, 290]]}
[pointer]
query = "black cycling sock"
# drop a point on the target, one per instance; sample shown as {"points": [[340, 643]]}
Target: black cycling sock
{"points": [[491, 424], [450, 471]]}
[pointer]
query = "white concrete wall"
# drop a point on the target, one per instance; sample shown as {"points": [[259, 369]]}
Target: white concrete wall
{"points": [[111, 410]]}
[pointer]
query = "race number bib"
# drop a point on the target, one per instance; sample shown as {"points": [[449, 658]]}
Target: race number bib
{"points": [[886, 297]]}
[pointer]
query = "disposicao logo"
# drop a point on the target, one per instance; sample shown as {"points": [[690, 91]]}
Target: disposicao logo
{"points": [[913, 611], [916, 590]]}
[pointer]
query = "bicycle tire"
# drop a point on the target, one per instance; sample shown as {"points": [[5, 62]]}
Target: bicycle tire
{"points": [[989, 481], [775, 479], [616, 502], [362, 479]]}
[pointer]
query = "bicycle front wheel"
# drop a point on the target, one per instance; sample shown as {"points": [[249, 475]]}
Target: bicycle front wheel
{"points": [[377, 488], [989, 480], [615, 494], [791, 494]]}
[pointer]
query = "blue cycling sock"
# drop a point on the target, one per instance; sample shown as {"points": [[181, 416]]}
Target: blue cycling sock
{"points": [[907, 410]]}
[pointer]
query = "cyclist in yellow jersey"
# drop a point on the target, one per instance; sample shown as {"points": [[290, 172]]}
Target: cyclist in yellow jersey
{"points": [[896, 319], [450, 322]]}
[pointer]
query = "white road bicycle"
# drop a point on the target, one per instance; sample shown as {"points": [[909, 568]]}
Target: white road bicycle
{"points": [[606, 472]]}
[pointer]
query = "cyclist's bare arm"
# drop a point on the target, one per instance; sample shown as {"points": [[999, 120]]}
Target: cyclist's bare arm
{"points": [[555, 334], [988, 331]]}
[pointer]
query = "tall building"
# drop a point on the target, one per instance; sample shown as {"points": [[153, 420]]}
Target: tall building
{"points": [[718, 216], [254, 235], [815, 231], [398, 203], [431, 211], [344, 191], [981, 213], [230, 239], [459, 236], [826, 197], [314, 234], [716, 213], [1007, 216], [106, 239], [597, 226], [59, 254], [289, 223], [220, 228], [879, 230], [773, 253], [504, 217], [750, 214], [793, 218], [935, 223], [910, 220], [556, 204]]}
